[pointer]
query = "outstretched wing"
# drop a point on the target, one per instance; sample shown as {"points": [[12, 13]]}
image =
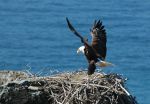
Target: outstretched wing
{"points": [[99, 39], [76, 33]]}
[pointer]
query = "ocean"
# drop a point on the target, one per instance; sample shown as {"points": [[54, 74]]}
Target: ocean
{"points": [[35, 37]]}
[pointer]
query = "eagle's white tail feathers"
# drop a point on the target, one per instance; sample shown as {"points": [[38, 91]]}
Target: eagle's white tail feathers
{"points": [[104, 64]]}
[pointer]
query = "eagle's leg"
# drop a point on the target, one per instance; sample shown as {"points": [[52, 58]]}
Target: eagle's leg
{"points": [[91, 70], [91, 67]]}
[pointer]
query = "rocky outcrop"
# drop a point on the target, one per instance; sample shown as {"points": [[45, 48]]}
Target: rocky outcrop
{"points": [[66, 88]]}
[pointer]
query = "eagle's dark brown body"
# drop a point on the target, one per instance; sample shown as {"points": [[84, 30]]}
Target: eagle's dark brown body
{"points": [[90, 54], [97, 50], [91, 58]]}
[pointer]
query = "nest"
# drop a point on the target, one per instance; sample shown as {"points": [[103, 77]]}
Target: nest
{"points": [[67, 88]]}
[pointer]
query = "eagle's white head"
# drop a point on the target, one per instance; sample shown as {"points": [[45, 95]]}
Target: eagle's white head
{"points": [[81, 49]]}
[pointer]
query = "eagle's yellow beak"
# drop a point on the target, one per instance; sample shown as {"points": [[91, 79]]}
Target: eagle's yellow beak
{"points": [[104, 64]]}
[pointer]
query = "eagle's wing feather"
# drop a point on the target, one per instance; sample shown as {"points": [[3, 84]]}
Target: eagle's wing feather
{"points": [[99, 39], [83, 40]]}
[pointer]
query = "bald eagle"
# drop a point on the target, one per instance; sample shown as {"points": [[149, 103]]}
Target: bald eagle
{"points": [[96, 51]]}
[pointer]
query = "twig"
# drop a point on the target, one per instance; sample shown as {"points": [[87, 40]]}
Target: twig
{"points": [[124, 90]]}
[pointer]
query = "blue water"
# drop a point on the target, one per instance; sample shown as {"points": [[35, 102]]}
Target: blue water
{"points": [[34, 35]]}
